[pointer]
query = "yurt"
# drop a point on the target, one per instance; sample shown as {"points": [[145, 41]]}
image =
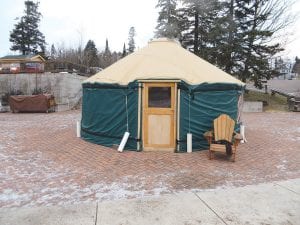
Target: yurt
{"points": [[158, 95]]}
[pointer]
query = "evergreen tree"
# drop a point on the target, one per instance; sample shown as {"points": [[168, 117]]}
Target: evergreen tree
{"points": [[107, 51], [229, 40], [26, 37], [131, 42], [281, 67], [168, 23], [90, 54], [106, 56], [124, 53], [202, 27], [234, 35], [211, 31], [190, 39], [53, 52], [255, 49], [296, 66]]}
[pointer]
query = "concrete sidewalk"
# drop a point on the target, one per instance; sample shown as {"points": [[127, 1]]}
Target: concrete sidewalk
{"points": [[272, 203]]}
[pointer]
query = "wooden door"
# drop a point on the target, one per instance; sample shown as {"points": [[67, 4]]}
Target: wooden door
{"points": [[159, 122]]}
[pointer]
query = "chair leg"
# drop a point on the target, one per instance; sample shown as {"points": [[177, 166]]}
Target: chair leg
{"points": [[233, 157], [209, 154], [233, 154]]}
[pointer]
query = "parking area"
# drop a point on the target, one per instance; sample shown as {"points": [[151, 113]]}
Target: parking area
{"points": [[43, 163]]}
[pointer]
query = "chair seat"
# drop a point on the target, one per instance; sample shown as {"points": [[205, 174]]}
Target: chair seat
{"points": [[218, 148]]}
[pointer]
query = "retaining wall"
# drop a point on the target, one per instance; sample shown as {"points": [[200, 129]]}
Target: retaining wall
{"points": [[252, 106], [64, 86]]}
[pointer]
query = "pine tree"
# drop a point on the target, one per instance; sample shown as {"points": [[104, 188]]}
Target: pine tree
{"points": [[131, 42], [90, 54], [26, 37], [107, 51], [229, 42], [281, 67], [256, 51], [124, 53], [190, 39], [168, 23], [211, 31], [233, 35], [244, 40], [201, 27], [53, 52], [106, 56], [296, 66]]}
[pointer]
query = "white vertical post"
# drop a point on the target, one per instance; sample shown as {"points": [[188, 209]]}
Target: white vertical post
{"points": [[123, 142], [189, 142], [78, 129], [242, 129], [178, 119], [139, 116]]}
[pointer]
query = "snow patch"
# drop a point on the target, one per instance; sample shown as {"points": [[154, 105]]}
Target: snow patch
{"points": [[10, 195], [281, 167]]}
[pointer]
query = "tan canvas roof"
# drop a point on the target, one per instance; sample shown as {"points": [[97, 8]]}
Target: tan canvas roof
{"points": [[162, 59]]}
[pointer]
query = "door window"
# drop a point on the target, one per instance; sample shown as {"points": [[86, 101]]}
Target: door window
{"points": [[159, 97]]}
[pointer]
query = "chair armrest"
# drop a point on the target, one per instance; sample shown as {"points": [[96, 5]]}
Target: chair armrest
{"points": [[208, 134], [238, 137]]}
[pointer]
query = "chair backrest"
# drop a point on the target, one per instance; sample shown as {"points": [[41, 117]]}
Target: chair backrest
{"points": [[223, 128]]}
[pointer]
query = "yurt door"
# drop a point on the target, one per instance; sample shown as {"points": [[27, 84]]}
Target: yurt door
{"points": [[159, 116]]}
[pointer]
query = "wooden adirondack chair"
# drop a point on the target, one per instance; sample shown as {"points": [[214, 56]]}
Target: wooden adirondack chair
{"points": [[223, 131]]}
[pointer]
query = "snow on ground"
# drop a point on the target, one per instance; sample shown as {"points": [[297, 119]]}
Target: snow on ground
{"points": [[49, 183], [72, 192], [286, 128], [31, 176]]}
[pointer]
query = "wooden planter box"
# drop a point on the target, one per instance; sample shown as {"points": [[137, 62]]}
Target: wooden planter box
{"points": [[32, 103]]}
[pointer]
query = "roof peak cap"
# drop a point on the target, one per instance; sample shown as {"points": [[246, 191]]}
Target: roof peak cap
{"points": [[164, 39]]}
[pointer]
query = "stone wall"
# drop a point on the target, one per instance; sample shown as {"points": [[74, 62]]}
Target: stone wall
{"points": [[64, 86], [252, 106]]}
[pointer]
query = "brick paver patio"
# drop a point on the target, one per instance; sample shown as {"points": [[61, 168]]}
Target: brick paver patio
{"points": [[43, 163]]}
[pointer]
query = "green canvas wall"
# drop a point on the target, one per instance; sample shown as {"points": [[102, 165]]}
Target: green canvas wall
{"points": [[197, 112], [104, 117], [104, 112]]}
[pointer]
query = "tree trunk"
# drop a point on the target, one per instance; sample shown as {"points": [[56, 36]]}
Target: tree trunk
{"points": [[229, 63], [246, 71], [196, 33]]}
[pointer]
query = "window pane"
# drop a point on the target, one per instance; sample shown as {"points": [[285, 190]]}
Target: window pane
{"points": [[159, 97]]}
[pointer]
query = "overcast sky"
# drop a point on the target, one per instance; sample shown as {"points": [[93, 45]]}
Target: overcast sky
{"points": [[69, 21]]}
